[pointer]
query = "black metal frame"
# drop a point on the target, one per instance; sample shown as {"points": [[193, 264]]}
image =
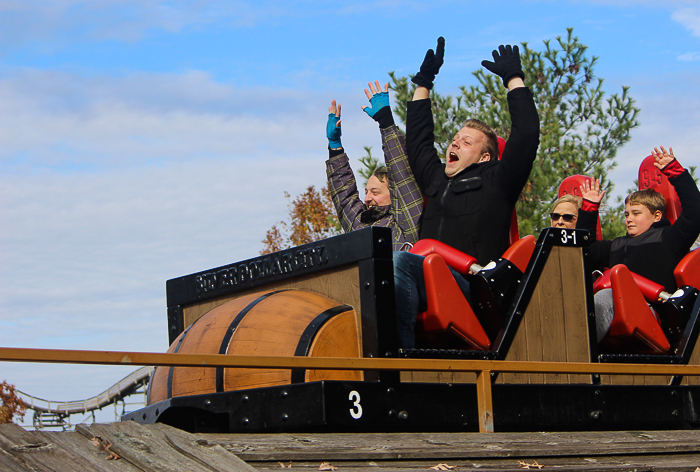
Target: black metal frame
{"points": [[327, 406]]}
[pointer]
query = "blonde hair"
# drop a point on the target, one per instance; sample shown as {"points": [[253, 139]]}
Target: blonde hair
{"points": [[650, 198], [577, 201], [491, 144]]}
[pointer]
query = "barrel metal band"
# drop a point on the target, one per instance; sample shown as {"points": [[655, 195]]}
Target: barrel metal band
{"points": [[172, 368], [302, 350], [223, 349]]}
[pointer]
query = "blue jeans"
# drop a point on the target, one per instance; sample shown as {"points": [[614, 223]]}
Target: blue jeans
{"points": [[409, 289]]}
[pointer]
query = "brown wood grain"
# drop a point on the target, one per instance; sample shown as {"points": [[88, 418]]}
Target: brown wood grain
{"points": [[443, 446]]}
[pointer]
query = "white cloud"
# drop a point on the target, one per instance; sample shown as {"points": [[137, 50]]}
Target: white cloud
{"points": [[61, 119], [110, 186], [690, 56], [689, 18], [57, 23]]}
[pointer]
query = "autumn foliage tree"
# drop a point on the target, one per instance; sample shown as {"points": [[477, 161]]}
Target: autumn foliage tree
{"points": [[311, 216], [10, 403]]}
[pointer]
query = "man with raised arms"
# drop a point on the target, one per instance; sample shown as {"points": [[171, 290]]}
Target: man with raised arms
{"points": [[472, 195], [392, 197]]}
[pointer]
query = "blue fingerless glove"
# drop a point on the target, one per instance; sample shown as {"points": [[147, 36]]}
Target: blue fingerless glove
{"points": [[377, 102], [333, 132]]}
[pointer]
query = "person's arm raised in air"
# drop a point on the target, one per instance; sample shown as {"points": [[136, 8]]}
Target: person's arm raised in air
{"points": [[406, 198], [588, 219], [341, 180], [521, 148], [420, 138], [588, 213], [686, 228]]}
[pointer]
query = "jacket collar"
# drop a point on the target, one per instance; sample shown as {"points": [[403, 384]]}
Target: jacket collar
{"points": [[372, 214]]}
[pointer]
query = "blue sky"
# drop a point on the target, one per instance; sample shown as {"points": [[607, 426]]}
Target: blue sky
{"points": [[145, 140]]}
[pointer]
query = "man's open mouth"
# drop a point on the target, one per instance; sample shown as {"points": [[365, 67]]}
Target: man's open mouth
{"points": [[452, 157]]}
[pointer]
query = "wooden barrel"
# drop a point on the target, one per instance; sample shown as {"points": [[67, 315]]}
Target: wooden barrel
{"points": [[282, 323]]}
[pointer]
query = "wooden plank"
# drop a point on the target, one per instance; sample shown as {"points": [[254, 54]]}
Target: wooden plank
{"points": [[647, 463], [161, 448], [518, 348], [444, 446], [552, 341], [485, 401], [575, 310], [694, 360], [217, 456], [58, 452], [89, 454]]}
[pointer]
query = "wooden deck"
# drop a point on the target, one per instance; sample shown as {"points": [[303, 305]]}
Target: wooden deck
{"points": [[132, 447]]}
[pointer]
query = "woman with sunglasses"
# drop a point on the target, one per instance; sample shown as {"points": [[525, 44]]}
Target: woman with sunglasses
{"points": [[565, 212]]}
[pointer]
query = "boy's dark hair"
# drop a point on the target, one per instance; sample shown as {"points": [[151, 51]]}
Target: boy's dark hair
{"points": [[491, 144], [650, 198]]}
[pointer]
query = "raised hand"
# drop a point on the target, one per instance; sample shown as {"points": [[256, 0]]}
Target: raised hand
{"points": [[663, 157], [590, 190], [506, 63], [333, 130], [377, 98], [431, 65]]}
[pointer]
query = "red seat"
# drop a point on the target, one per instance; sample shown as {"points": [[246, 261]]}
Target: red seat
{"points": [[572, 186], [651, 177], [456, 259], [448, 309], [687, 271], [521, 252], [634, 325], [650, 289], [514, 234]]}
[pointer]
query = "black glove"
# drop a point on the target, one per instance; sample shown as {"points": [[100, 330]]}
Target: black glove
{"points": [[431, 65], [507, 64]]}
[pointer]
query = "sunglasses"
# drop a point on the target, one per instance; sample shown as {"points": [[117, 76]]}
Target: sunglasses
{"points": [[568, 218]]}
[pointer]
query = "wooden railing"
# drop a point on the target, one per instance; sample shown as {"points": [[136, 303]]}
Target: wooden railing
{"points": [[481, 368]]}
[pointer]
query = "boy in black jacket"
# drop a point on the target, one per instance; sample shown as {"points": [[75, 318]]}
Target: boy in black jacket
{"points": [[653, 246]]}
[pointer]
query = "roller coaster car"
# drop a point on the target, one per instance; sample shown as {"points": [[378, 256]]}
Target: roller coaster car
{"points": [[335, 298]]}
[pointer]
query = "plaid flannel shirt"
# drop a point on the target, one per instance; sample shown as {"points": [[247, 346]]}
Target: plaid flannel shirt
{"points": [[403, 216]]}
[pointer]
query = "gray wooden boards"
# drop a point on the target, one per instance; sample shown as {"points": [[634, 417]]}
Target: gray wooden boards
{"points": [[161, 448], [618, 451], [153, 448]]}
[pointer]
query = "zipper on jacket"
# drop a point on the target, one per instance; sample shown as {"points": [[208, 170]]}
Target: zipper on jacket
{"points": [[442, 209]]}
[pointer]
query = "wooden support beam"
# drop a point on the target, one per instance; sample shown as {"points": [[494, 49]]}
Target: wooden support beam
{"points": [[485, 401], [61, 356]]}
